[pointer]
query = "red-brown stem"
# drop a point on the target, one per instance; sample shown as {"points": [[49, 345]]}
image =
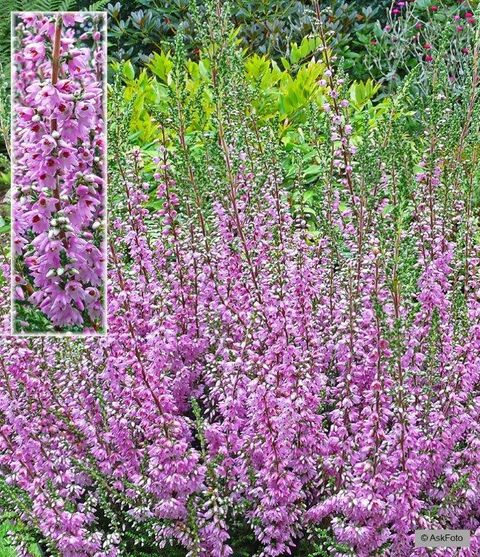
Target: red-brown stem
{"points": [[56, 58]]}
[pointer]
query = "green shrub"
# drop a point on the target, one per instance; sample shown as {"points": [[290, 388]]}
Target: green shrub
{"points": [[141, 27]]}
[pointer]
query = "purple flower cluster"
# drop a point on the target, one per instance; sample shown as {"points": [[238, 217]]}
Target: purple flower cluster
{"points": [[254, 374], [301, 385], [59, 181]]}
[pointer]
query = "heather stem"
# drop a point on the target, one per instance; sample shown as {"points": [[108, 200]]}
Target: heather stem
{"points": [[56, 58]]}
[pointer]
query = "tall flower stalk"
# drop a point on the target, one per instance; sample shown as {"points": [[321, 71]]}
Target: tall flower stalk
{"points": [[59, 182]]}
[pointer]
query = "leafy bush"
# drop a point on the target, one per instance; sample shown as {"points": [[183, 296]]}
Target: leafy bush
{"points": [[288, 97], [384, 41], [141, 27]]}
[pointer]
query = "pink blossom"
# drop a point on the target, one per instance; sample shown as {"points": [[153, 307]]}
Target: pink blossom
{"points": [[58, 150]]}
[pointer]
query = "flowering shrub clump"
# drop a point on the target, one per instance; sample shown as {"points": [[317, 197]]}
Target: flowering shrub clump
{"points": [[59, 181], [280, 377], [267, 386]]}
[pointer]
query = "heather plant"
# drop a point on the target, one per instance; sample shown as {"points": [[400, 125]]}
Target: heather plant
{"points": [[6, 7], [59, 181], [267, 387]]}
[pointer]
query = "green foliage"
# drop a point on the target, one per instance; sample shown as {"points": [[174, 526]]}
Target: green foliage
{"points": [[5, 547], [12, 528], [267, 27], [324, 544], [283, 95], [30, 319], [273, 101], [7, 531], [418, 36]]}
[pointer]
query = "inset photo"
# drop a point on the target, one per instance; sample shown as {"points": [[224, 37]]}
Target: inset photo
{"points": [[59, 173]]}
